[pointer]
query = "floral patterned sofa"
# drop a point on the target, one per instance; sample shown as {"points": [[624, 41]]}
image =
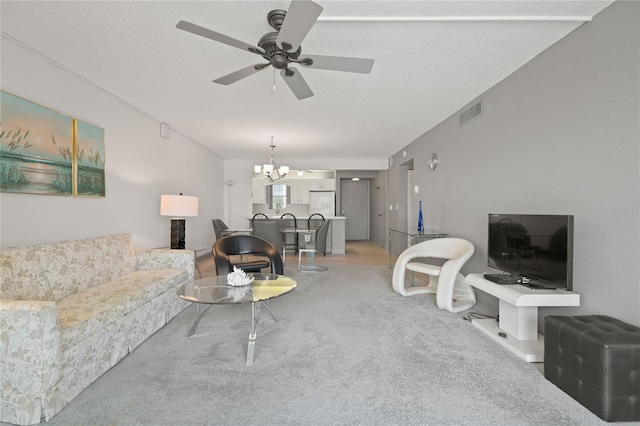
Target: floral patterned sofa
{"points": [[70, 311]]}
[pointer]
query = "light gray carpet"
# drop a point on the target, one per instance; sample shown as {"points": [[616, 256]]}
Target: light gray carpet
{"points": [[346, 350]]}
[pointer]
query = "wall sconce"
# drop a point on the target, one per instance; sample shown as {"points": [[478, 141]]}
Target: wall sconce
{"points": [[178, 207]]}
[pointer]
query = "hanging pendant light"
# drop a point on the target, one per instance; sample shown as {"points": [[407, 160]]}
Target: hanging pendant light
{"points": [[271, 171]]}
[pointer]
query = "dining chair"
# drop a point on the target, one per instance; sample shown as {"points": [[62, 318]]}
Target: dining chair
{"points": [[288, 222], [319, 246], [270, 231], [259, 216], [321, 238], [220, 228], [446, 281], [314, 221]]}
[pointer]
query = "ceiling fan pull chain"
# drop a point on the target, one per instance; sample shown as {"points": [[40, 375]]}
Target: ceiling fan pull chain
{"points": [[274, 79]]}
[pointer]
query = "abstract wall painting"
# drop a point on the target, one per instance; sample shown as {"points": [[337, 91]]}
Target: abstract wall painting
{"points": [[90, 177], [36, 148], [45, 152]]}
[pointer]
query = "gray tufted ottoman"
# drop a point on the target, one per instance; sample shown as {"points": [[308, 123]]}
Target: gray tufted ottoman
{"points": [[596, 360]]}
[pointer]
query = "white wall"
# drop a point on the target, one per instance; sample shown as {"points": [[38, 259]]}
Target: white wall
{"points": [[140, 166], [559, 136]]}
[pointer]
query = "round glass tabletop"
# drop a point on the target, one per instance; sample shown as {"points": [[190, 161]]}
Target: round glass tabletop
{"points": [[215, 290]]}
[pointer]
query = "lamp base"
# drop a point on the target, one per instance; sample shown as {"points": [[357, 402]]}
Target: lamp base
{"points": [[177, 234]]}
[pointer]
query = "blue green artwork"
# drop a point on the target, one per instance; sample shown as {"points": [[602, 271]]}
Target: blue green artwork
{"points": [[45, 152], [36, 148], [90, 160]]}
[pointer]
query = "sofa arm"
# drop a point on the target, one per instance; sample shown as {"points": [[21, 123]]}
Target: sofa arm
{"points": [[165, 258], [30, 357]]}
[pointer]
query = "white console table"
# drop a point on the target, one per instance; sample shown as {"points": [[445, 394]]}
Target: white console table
{"points": [[518, 315]]}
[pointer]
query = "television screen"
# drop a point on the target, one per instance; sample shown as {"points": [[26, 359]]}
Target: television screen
{"points": [[536, 249]]}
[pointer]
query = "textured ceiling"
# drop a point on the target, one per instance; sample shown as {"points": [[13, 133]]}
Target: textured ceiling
{"points": [[424, 71]]}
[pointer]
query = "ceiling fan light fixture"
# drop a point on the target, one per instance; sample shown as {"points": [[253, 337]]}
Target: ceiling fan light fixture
{"points": [[279, 62]]}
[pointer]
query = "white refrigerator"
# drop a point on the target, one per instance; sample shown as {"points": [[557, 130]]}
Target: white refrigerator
{"points": [[323, 202]]}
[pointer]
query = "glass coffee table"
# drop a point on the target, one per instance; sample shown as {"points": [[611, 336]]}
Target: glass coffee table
{"points": [[216, 291]]}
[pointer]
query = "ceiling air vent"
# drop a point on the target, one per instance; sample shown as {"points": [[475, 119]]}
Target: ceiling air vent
{"points": [[471, 113]]}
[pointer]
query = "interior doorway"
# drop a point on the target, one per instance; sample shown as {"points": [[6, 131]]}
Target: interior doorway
{"points": [[354, 204], [412, 213]]}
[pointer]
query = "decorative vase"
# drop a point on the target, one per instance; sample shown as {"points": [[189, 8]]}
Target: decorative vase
{"points": [[420, 223]]}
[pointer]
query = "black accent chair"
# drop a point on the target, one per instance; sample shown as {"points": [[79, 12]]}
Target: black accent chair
{"points": [[239, 244]]}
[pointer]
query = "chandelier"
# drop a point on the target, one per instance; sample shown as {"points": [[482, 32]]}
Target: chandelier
{"points": [[271, 171]]}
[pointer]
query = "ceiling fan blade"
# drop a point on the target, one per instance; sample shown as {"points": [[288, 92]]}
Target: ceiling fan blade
{"points": [[338, 63], [301, 16], [296, 83], [240, 74], [205, 32]]}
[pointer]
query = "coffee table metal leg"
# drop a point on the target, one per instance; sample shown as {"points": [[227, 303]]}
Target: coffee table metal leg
{"points": [[251, 346], [197, 321], [269, 309], [255, 317]]}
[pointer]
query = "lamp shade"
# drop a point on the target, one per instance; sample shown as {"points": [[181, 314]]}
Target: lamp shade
{"points": [[178, 206]]}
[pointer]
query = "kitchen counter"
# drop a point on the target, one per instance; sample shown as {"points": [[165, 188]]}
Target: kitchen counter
{"points": [[277, 216], [336, 236]]}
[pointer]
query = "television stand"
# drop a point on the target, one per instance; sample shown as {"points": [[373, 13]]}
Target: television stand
{"points": [[518, 315]]}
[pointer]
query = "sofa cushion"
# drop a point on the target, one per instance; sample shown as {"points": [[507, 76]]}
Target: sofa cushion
{"points": [[54, 271], [85, 312]]}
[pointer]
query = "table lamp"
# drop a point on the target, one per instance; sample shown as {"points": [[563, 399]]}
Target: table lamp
{"points": [[178, 207]]}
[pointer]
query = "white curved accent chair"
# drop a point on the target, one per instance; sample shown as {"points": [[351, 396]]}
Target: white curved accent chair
{"points": [[446, 281]]}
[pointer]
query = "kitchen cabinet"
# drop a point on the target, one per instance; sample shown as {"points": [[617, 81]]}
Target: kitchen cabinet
{"points": [[258, 194], [299, 189], [299, 193], [322, 185]]}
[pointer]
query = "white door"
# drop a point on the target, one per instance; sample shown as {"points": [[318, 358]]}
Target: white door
{"points": [[354, 202]]}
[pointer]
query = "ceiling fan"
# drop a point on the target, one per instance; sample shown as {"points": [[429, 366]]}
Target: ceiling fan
{"points": [[282, 48]]}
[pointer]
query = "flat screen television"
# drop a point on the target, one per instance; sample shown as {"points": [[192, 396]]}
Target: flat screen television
{"points": [[533, 250]]}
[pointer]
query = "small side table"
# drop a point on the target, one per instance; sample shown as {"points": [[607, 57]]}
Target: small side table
{"points": [[413, 237], [196, 250]]}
